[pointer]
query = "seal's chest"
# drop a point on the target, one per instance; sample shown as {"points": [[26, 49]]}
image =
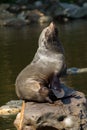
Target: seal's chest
{"points": [[52, 58], [52, 61]]}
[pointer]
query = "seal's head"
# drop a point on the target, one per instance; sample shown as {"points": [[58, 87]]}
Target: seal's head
{"points": [[49, 38]]}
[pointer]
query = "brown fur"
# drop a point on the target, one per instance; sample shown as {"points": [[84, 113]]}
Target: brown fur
{"points": [[32, 83]]}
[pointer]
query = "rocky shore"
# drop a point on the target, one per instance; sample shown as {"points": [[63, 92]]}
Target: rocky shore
{"points": [[23, 13]]}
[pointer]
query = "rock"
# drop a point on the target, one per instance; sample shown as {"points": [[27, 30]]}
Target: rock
{"points": [[85, 4], [65, 114], [14, 8], [73, 11], [11, 108], [38, 4], [4, 15], [22, 2], [6, 110], [4, 6], [40, 11], [14, 103], [80, 2], [16, 22], [22, 15], [53, 8], [2, 22], [33, 16], [75, 70]]}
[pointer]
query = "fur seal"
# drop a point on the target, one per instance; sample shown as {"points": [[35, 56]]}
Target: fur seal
{"points": [[35, 82]]}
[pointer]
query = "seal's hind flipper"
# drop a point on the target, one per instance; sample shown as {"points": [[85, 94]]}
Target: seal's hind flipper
{"points": [[64, 92], [58, 94]]}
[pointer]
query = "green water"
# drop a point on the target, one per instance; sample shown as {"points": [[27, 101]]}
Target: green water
{"points": [[17, 48]]}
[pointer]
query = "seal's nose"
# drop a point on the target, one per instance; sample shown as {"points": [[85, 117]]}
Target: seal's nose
{"points": [[52, 25]]}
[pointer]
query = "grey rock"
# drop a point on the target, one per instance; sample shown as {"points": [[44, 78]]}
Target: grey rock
{"points": [[14, 103], [81, 2], [14, 8], [4, 6], [4, 15], [53, 8], [74, 70], [38, 4], [22, 1], [68, 113], [85, 4], [15, 22], [73, 11]]}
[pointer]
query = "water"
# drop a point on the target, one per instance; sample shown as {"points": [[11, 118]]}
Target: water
{"points": [[17, 48]]}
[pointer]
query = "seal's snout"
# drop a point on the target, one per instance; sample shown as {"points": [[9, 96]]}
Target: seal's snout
{"points": [[52, 25], [53, 29]]}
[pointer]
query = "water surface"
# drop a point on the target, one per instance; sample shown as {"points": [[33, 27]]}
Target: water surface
{"points": [[17, 48]]}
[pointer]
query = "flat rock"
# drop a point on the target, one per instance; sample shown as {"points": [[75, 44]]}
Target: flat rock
{"points": [[69, 113], [11, 108]]}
